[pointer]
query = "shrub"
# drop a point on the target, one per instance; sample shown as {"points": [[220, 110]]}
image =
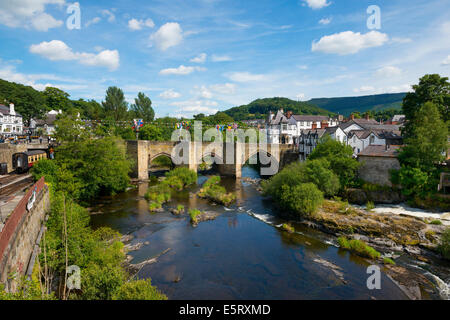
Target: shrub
{"points": [[174, 182], [370, 206], [387, 260], [358, 247], [303, 199], [194, 213], [287, 227], [319, 172], [213, 191], [180, 208], [187, 176], [444, 246], [154, 206], [47, 168], [138, 290], [436, 222]]}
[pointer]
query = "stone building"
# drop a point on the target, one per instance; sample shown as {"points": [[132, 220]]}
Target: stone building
{"points": [[377, 161]]}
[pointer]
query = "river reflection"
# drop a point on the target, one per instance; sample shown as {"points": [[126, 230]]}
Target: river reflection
{"points": [[240, 255]]}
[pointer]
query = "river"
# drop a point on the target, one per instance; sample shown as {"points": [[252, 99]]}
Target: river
{"points": [[243, 254]]}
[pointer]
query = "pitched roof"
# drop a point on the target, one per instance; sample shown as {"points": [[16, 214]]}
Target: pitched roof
{"points": [[380, 151], [5, 110], [279, 118], [48, 120], [299, 117], [319, 132], [363, 123]]}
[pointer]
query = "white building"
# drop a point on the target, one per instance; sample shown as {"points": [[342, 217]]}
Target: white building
{"points": [[10, 121], [287, 129], [47, 124]]}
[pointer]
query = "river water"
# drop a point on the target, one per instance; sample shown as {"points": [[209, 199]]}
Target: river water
{"points": [[243, 254]]}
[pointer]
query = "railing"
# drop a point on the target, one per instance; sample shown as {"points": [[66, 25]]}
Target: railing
{"points": [[17, 215]]}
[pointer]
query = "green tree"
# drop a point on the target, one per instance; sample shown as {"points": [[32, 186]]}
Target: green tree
{"points": [[115, 107], [431, 88], [57, 99], [340, 157], [302, 199], [151, 132], [319, 172], [142, 108]]}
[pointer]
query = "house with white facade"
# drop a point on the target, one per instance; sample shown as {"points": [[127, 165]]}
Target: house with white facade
{"points": [[11, 122], [46, 124], [287, 128]]}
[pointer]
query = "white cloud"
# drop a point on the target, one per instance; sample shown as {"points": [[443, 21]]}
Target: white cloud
{"points": [[388, 72], [220, 58], [169, 35], [181, 70], [226, 88], [364, 89], [349, 42], [135, 24], [300, 96], [169, 94], [317, 4], [108, 13], [93, 21], [203, 92], [245, 77], [446, 61], [201, 58], [325, 21], [196, 106], [57, 50], [28, 14]]}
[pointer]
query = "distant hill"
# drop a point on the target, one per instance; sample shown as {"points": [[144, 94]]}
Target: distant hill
{"points": [[346, 105], [259, 108]]}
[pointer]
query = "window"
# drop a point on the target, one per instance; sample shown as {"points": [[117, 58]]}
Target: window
{"points": [[372, 139]]}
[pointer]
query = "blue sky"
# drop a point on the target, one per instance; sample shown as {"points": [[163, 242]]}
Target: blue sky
{"points": [[208, 55]]}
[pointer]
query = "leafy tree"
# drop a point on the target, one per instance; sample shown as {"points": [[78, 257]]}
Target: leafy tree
{"points": [[303, 199], [425, 147], [340, 157], [57, 99], [138, 290], [151, 132], [142, 108], [444, 246], [115, 107], [431, 88], [319, 172]]}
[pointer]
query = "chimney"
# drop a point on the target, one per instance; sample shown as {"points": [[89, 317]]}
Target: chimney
{"points": [[11, 109], [324, 124], [314, 125], [352, 117], [288, 114], [367, 116]]}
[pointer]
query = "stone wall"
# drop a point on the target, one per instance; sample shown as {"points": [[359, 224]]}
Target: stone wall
{"points": [[6, 152], [20, 240], [376, 170]]}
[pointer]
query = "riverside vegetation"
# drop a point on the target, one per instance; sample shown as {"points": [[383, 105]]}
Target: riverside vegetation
{"points": [[85, 167]]}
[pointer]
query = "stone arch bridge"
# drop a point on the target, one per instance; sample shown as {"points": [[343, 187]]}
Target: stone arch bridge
{"points": [[229, 157]]}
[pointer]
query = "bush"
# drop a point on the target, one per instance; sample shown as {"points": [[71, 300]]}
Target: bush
{"points": [[187, 176], [154, 206], [436, 222], [138, 290], [370, 206], [194, 213], [319, 172], [388, 261], [45, 168], [287, 227], [174, 182], [358, 247], [303, 199], [213, 191], [444, 246]]}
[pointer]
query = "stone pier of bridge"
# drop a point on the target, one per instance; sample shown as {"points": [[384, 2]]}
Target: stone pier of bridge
{"points": [[229, 157]]}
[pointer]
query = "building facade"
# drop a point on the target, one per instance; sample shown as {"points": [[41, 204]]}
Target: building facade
{"points": [[11, 122]]}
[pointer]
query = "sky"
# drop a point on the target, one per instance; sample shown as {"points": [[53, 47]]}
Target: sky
{"points": [[202, 56]]}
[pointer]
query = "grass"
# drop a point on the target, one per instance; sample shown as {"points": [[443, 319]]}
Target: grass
{"points": [[180, 208], [213, 191], [154, 206], [287, 227], [194, 213], [387, 260], [370, 206], [436, 222], [358, 247]]}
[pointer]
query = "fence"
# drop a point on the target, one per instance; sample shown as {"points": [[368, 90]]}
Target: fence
{"points": [[17, 216]]}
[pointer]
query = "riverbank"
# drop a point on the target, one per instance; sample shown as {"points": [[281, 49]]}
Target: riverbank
{"points": [[402, 234]]}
